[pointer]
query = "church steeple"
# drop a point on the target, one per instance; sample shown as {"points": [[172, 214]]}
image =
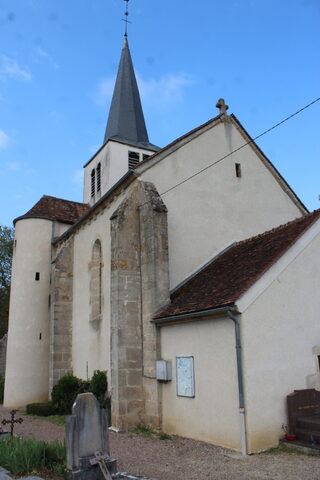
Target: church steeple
{"points": [[126, 120]]}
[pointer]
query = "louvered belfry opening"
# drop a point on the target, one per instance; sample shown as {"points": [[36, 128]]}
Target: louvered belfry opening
{"points": [[133, 159]]}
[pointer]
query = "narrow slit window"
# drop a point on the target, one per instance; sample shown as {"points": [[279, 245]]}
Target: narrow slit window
{"points": [[93, 182], [318, 361], [134, 158], [98, 177], [238, 170], [37, 276]]}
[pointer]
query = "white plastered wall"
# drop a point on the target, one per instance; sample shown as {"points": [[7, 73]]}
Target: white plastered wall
{"points": [[215, 208], [213, 414], [113, 158], [279, 331], [27, 375], [91, 340]]}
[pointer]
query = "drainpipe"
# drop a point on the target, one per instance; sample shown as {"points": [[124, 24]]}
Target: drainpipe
{"points": [[242, 412]]}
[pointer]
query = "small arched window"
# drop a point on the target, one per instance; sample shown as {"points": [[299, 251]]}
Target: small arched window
{"points": [[96, 281], [93, 182]]}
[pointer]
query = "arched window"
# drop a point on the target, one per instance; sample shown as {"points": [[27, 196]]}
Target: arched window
{"points": [[96, 281], [93, 182]]}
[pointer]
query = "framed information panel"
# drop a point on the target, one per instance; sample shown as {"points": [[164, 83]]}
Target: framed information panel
{"points": [[185, 377]]}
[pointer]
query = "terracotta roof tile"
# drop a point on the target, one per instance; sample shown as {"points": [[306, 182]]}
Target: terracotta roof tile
{"points": [[228, 276], [53, 208]]}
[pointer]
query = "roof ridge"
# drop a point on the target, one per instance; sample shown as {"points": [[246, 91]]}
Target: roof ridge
{"points": [[64, 199], [278, 228]]}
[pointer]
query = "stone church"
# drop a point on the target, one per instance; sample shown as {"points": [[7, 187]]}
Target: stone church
{"points": [[190, 274]]}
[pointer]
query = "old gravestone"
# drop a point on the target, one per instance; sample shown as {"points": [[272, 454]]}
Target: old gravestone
{"points": [[87, 435]]}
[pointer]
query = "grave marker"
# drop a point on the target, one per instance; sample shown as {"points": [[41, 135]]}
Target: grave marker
{"points": [[87, 434]]}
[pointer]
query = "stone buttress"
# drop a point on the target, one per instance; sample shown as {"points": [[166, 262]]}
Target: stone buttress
{"points": [[139, 286], [60, 362]]}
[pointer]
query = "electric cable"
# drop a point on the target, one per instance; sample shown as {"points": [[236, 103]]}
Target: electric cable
{"points": [[237, 149]]}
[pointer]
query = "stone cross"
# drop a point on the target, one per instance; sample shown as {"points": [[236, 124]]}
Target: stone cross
{"points": [[222, 106], [86, 434], [12, 421], [101, 461]]}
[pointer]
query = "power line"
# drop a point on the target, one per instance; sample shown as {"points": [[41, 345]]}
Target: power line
{"points": [[237, 149]]}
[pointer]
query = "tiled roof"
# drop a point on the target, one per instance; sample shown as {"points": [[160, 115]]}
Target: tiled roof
{"points": [[221, 282], [53, 208]]}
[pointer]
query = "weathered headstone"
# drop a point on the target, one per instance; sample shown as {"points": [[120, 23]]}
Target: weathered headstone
{"points": [[87, 434]]}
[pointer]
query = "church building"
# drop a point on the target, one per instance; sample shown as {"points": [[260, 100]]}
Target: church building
{"points": [[190, 274]]}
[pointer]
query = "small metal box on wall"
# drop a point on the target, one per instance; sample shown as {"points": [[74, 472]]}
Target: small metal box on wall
{"points": [[163, 370]]}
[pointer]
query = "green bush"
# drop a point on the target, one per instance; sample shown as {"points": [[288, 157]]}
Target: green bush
{"points": [[99, 386], [41, 409], [23, 456], [1, 389], [64, 393], [84, 386]]}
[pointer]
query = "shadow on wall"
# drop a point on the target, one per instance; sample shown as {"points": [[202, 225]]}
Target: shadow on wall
{"points": [[3, 355]]}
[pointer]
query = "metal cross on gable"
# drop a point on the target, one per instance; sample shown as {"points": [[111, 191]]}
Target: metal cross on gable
{"points": [[101, 461], [12, 421]]}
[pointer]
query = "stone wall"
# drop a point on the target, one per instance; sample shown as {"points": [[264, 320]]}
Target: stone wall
{"points": [[60, 361], [3, 353], [139, 285]]}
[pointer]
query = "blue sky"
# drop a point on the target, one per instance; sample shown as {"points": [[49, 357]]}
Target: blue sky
{"points": [[58, 61]]}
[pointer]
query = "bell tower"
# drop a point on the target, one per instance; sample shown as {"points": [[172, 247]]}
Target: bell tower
{"points": [[126, 141]]}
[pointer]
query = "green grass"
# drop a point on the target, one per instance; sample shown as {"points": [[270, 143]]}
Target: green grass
{"points": [[283, 449], [164, 436], [55, 419], [27, 455], [146, 432], [143, 431]]}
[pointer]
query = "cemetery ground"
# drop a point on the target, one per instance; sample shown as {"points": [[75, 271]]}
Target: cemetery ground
{"points": [[175, 458]]}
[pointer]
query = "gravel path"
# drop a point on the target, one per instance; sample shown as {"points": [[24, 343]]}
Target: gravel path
{"points": [[182, 459]]}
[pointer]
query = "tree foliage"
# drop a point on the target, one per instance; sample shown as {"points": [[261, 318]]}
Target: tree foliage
{"points": [[6, 246]]}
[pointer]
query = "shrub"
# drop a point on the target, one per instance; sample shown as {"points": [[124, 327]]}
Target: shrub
{"points": [[64, 393], [84, 386], [1, 389], [99, 386], [21, 455], [41, 409]]}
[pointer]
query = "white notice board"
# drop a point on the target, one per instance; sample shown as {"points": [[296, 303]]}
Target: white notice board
{"points": [[185, 377]]}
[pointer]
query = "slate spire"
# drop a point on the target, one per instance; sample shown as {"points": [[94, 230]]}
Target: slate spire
{"points": [[126, 120]]}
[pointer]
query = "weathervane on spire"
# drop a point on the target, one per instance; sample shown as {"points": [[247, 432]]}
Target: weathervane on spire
{"points": [[126, 19]]}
